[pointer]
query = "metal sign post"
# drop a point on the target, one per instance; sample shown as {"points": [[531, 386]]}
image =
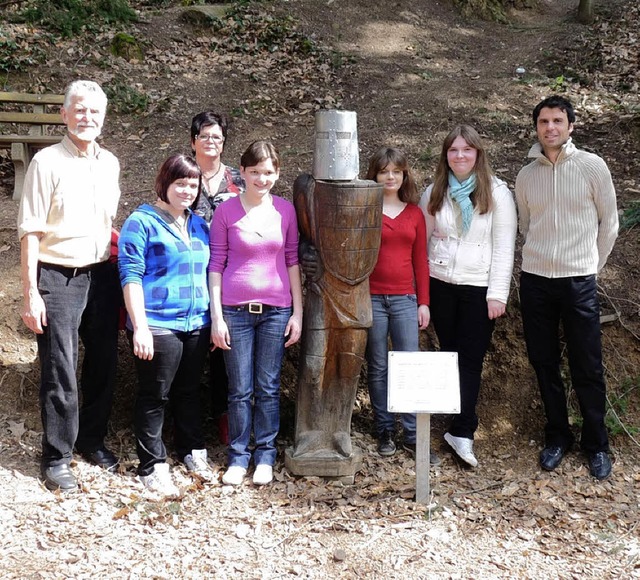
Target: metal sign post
{"points": [[423, 383]]}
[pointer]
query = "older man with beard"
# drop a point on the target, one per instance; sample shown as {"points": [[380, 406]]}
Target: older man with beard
{"points": [[68, 204]]}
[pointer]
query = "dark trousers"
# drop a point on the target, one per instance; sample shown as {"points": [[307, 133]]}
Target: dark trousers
{"points": [[171, 376], [461, 319], [80, 303], [574, 301], [218, 383]]}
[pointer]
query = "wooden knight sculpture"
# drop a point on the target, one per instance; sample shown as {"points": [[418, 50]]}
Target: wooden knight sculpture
{"points": [[339, 219]]}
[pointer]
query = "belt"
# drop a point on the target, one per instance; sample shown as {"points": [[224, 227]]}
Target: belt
{"points": [[69, 271], [254, 307]]}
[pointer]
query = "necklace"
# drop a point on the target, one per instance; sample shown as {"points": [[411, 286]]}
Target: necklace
{"points": [[214, 174]]}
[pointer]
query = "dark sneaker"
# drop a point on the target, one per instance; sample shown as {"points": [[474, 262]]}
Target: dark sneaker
{"points": [[410, 448], [386, 446], [600, 465], [551, 456], [101, 457]]}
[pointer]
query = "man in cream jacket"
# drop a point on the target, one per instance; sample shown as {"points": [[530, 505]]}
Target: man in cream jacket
{"points": [[569, 220]]}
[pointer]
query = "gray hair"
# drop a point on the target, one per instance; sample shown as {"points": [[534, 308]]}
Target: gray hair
{"points": [[83, 88]]}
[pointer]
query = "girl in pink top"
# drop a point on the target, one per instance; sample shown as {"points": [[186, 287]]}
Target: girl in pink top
{"points": [[256, 307]]}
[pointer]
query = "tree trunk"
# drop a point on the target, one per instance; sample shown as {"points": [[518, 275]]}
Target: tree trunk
{"points": [[585, 12]]}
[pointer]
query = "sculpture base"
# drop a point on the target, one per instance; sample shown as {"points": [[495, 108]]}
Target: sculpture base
{"points": [[325, 463]]}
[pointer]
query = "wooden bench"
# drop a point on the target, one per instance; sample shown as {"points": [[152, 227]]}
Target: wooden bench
{"points": [[23, 146]]}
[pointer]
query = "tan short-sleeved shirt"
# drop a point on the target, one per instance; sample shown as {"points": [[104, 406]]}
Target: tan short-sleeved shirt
{"points": [[71, 199]]}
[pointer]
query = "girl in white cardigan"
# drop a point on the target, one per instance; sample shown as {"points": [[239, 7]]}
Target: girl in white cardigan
{"points": [[471, 231]]}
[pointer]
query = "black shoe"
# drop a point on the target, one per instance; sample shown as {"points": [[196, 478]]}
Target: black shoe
{"points": [[59, 477], [410, 448], [551, 456], [102, 458], [600, 465], [386, 446]]}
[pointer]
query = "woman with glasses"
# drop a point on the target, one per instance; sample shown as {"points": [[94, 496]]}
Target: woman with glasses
{"points": [[219, 183]]}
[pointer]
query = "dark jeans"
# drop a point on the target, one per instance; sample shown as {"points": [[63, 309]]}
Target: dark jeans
{"points": [[172, 375], [218, 383], [574, 301], [461, 320], [80, 303]]}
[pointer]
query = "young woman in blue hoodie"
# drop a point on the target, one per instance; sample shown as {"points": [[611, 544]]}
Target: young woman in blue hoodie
{"points": [[163, 257]]}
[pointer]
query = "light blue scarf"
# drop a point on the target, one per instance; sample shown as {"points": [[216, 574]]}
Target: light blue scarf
{"points": [[460, 193]]}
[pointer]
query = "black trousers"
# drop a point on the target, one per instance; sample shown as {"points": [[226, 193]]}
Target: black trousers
{"points": [[172, 377], [461, 319], [81, 303], [573, 301], [218, 383]]}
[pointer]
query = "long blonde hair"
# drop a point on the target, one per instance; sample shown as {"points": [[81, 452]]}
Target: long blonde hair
{"points": [[481, 197]]}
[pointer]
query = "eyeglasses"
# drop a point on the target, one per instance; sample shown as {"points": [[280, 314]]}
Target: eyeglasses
{"points": [[215, 138]]}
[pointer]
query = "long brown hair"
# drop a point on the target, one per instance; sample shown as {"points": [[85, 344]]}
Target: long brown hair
{"points": [[408, 191], [481, 197]]}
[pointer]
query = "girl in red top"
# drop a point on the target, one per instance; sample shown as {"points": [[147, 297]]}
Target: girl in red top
{"points": [[399, 289]]}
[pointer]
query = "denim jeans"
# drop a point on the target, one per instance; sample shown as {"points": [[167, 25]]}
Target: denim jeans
{"points": [[574, 301], [395, 316], [171, 376], [254, 364], [80, 304], [461, 319]]}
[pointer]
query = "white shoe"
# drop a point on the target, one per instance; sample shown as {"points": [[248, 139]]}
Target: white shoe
{"points": [[263, 474], [159, 481], [463, 448], [196, 462], [234, 475]]}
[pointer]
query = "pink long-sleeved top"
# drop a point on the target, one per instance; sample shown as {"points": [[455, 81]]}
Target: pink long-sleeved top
{"points": [[254, 261]]}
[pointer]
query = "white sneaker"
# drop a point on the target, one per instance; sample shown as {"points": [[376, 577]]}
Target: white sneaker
{"points": [[159, 481], [234, 475], [463, 448], [196, 462], [263, 474]]}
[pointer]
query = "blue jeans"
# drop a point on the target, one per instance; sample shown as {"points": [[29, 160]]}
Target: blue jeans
{"points": [[171, 376], [545, 302], [395, 316], [461, 319], [81, 303], [253, 367]]}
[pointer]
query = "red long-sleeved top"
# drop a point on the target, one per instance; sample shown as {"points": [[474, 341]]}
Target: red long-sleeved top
{"points": [[403, 267]]}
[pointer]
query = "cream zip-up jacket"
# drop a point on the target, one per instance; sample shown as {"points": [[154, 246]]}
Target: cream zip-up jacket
{"points": [[481, 257], [568, 213]]}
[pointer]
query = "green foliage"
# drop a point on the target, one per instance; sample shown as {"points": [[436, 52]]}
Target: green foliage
{"points": [[11, 58], [558, 83], [248, 29], [618, 408], [70, 17], [17, 53], [631, 215], [124, 98], [126, 46]]}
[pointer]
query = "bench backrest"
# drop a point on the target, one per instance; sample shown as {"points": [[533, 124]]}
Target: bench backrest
{"points": [[38, 116]]}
